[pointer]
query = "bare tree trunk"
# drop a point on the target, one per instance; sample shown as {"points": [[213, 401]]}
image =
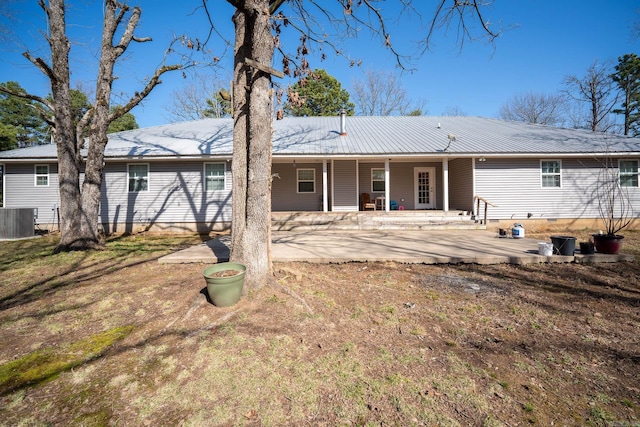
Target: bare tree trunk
{"points": [[252, 143], [98, 139], [69, 159]]}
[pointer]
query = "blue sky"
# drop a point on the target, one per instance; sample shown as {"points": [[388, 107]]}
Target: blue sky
{"points": [[543, 41]]}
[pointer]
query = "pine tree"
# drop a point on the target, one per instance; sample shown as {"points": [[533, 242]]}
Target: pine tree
{"points": [[627, 76], [318, 94], [20, 117]]}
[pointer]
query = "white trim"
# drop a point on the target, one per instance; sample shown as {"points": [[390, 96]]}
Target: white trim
{"points": [[148, 177], [387, 186], [629, 174], [36, 175], [384, 180], [325, 195], [559, 174], [298, 181], [432, 184], [445, 185], [205, 176]]}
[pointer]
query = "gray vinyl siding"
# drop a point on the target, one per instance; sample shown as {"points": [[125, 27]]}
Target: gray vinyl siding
{"points": [[364, 178], [461, 184], [21, 191], [515, 187], [175, 196], [345, 191], [284, 191], [401, 187]]}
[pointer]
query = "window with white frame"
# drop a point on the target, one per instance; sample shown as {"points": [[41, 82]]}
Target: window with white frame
{"points": [[551, 173], [138, 177], [306, 180], [214, 176], [628, 173], [42, 175], [377, 180]]}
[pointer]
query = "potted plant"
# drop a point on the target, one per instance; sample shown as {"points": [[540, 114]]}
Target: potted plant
{"points": [[224, 283], [614, 207]]}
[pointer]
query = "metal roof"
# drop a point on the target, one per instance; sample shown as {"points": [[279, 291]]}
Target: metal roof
{"points": [[365, 136]]}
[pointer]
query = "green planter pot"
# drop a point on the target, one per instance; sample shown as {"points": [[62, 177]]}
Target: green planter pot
{"points": [[224, 288]]}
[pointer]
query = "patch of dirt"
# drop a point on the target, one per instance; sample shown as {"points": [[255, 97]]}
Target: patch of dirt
{"points": [[339, 344]]}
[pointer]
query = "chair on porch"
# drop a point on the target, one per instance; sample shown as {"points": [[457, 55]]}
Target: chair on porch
{"points": [[366, 203]]}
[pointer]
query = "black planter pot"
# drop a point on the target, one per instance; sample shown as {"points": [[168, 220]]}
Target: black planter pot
{"points": [[607, 243], [563, 245], [586, 248]]}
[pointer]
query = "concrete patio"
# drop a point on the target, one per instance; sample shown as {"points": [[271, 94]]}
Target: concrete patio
{"points": [[419, 247]]}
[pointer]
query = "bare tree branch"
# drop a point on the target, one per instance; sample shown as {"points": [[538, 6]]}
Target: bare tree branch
{"points": [[464, 11], [139, 96], [535, 108], [41, 65], [597, 90], [381, 93], [26, 95]]}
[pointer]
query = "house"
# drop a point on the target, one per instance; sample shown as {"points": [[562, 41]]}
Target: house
{"points": [[178, 176]]}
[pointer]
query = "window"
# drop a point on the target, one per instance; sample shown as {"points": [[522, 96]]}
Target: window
{"points": [[214, 176], [551, 173], [1, 185], [628, 173], [138, 177], [42, 175], [306, 180], [377, 180]]}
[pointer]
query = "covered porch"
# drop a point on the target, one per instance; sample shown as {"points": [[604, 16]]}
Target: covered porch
{"points": [[393, 184]]}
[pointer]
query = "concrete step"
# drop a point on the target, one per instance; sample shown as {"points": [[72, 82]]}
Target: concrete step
{"points": [[374, 220]]}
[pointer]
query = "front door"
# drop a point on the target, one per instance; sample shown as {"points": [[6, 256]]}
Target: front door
{"points": [[425, 183]]}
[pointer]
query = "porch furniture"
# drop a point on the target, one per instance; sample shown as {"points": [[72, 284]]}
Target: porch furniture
{"points": [[380, 202], [365, 202]]}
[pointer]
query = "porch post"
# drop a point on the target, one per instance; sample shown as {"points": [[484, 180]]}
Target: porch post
{"points": [[325, 186], [445, 185], [386, 185]]}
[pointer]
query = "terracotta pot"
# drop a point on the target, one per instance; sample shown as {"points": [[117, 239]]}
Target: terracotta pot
{"points": [[607, 244]]}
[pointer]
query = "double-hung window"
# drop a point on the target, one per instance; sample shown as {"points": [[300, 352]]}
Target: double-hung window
{"points": [[306, 180], [138, 177], [377, 180], [214, 176], [628, 173], [551, 173], [42, 175]]}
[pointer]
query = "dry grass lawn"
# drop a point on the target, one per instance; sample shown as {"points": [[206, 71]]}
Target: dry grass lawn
{"points": [[115, 338]]}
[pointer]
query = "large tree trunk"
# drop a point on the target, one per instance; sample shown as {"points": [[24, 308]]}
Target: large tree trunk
{"points": [[92, 184], [252, 143], [69, 159], [79, 209]]}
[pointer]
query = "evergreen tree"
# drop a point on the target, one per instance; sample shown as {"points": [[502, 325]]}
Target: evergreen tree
{"points": [[218, 107], [20, 118], [318, 94], [8, 137], [122, 123], [627, 76]]}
